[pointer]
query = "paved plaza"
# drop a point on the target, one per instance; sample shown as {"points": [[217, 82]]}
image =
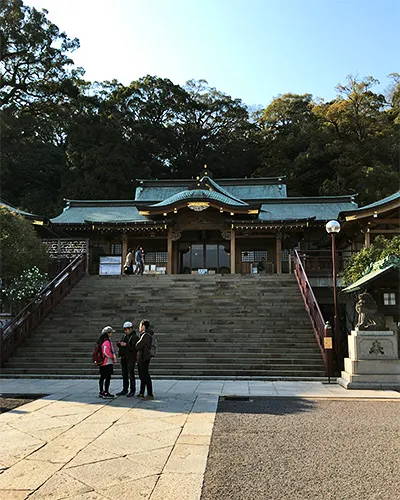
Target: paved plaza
{"points": [[72, 444]]}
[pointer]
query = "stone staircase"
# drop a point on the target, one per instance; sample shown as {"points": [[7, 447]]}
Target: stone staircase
{"points": [[207, 327]]}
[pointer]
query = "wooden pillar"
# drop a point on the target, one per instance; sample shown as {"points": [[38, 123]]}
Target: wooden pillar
{"points": [[169, 250], [367, 239], [233, 251], [124, 250], [174, 257], [278, 254]]}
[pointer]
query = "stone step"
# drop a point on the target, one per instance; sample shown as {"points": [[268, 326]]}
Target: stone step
{"points": [[181, 346], [173, 366], [317, 378], [275, 374], [167, 358], [281, 370], [214, 327]]}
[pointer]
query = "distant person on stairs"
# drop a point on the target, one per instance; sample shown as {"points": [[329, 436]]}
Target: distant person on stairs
{"points": [[107, 368], [128, 266], [127, 353], [261, 266], [139, 260], [143, 347]]}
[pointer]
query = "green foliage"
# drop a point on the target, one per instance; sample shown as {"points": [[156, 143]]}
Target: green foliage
{"points": [[347, 146], [31, 168], [64, 137], [20, 291], [360, 261], [34, 55], [20, 248]]}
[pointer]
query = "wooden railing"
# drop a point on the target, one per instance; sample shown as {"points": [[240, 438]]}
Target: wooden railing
{"points": [[319, 262], [313, 310], [22, 325]]}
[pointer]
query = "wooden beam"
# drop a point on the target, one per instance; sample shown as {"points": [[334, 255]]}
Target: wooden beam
{"points": [[169, 250], [384, 231], [367, 239], [255, 236], [278, 254], [374, 210], [124, 250], [385, 221]]}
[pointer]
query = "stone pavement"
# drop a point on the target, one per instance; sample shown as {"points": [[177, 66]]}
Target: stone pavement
{"points": [[72, 444]]}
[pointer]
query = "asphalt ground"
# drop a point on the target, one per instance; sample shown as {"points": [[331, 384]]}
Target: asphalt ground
{"points": [[294, 448]]}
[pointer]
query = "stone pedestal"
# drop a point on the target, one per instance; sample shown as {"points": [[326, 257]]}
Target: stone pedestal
{"points": [[373, 361]]}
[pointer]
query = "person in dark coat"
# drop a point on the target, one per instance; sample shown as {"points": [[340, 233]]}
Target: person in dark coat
{"points": [[139, 260], [143, 347], [127, 353], [261, 266]]}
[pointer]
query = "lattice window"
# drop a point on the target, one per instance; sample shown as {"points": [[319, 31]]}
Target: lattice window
{"points": [[65, 248], [389, 299], [116, 249], [285, 255], [156, 257], [253, 255]]}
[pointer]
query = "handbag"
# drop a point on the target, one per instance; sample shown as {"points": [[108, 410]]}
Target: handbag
{"points": [[128, 270]]}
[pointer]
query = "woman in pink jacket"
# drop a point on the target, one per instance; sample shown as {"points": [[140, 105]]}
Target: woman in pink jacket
{"points": [[107, 368]]}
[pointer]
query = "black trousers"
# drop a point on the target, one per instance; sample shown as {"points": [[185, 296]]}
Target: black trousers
{"points": [[145, 379], [128, 374], [105, 377]]}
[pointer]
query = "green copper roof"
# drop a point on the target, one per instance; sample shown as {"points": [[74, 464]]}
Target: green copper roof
{"points": [[388, 199], [256, 192], [323, 209], [377, 269], [98, 214], [242, 189], [217, 187], [156, 194], [20, 212], [200, 194]]}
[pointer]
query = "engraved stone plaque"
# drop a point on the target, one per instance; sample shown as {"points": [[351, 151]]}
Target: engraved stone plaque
{"points": [[373, 345]]}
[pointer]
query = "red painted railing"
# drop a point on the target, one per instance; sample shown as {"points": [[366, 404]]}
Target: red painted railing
{"points": [[312, 307], [22, 325]]}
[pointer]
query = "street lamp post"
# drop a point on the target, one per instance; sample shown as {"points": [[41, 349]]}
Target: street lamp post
{"points": [[333, 227]]}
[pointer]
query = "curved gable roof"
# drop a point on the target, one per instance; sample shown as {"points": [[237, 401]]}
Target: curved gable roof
{"points": [[387, 204], [200, 194]]}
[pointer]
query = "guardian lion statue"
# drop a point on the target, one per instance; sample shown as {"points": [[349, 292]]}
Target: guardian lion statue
{"points": [[369, 318]]}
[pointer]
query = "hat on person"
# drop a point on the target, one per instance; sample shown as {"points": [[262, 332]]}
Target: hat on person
{"points": [[127, 324], [107, 329]]}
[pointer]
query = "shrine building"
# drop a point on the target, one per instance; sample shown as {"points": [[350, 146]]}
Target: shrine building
{"points": [[202, 225]]}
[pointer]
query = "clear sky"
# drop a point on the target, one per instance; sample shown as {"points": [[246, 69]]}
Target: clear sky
{"points": [[249, 49]]}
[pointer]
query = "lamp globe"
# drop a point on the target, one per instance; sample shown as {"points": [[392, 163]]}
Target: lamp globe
{"points": [[332, 226]]}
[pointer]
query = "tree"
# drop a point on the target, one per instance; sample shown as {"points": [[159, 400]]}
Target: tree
{"points": [[34, 56], [359, 262], [363, 140], [20, 247], [214, 129], [292, 144], [31, 168], [38, 92]]}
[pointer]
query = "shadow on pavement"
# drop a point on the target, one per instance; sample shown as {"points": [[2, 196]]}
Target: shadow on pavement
{"points": [[264, 405]]}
